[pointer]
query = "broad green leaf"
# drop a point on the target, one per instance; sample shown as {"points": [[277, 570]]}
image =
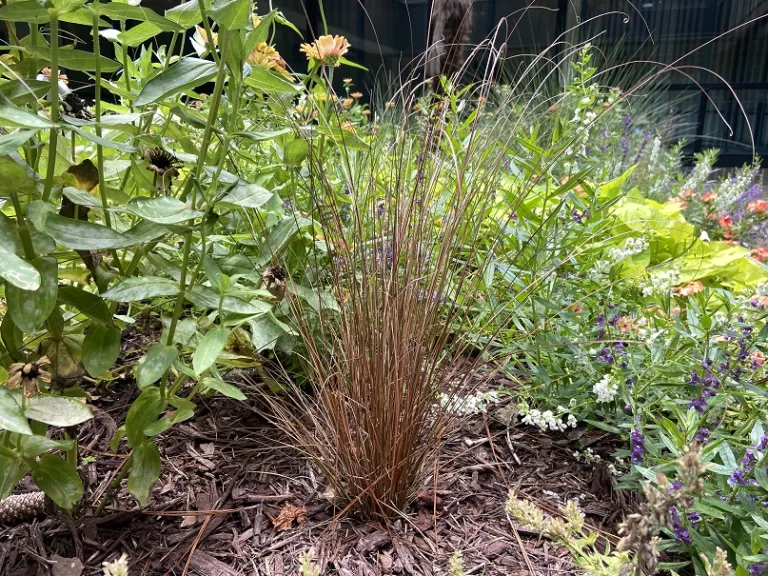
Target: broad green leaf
{"points": [[11, 142], [122, 12], [209, 349], [157, 428], [33, 446], [59, 480], [186, 14], [225, 388], [264, 332], [81, 60], [81, 235], [137, 35], [12, 470], [185, 74], [92, 305], [18, 118], [13, 338], [11, 416], [17, 272], [205, 297], [248, 195], [143, 412], [263, 79], [81, 197], [141, 288], [101, 348], [231, 14], [155, 364], [28, 11], [319, 301], [162, 210], [280, 236], [145, 470], [57, 410], [31, 308], [146, 231]]}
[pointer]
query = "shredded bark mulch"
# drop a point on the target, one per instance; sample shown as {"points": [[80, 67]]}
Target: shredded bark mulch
{"points": [[234, 500]]}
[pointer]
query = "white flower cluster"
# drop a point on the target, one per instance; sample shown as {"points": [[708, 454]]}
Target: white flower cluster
{"points": [[631, 247], [587, 456], [546, 420], [472, 404], [653, 158], [661, 282], [732, 188], [606, 389], [700, 172]]}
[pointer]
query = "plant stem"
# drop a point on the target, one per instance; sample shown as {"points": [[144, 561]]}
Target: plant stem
{"points": [[54, 96], [114, 485], [208, 33], [182, 288], [97, 110]]}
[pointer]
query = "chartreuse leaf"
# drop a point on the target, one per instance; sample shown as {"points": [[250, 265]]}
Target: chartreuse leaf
{"points": [[28, 11], [122, 12], [59, 480], [209, 349], [186, 14], [18, 118], [31, 308], [248, 195], [185, 74], [58, 411], [101, 348], [11, 142], [11, 416], [145, 470], [261, 78], [143, 412], [81, 235], [17, 272], [162, 210], [141, 288], [155, 364]]}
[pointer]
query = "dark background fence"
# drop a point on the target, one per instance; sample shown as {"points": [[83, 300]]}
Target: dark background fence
{"points": [[387, 35]]}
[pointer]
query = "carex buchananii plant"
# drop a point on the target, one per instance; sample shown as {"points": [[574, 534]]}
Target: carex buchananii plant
{"points": [[402, 252]]}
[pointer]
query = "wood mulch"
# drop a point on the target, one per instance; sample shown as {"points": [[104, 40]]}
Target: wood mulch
{"points": [[233, 500]]}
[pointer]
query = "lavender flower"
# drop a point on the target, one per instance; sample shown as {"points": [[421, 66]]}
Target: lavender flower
{"points": [[681, 533], [637, 441], [702, 436], [756, 569]]}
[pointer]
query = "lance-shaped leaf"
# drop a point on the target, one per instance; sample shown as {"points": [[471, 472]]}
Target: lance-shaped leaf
{"points": [[31, 308], [80, 235], [162, 210], [18, 272], [185, 74], [142, 288]]}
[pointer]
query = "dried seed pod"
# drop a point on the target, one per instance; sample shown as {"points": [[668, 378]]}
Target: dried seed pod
{"points": [[274, 280]]}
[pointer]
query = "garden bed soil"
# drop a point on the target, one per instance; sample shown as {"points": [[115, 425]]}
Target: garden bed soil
{"points": [[233, 500]]}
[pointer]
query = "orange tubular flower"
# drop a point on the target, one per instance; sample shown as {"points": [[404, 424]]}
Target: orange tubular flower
{"points": [[327, 50], [759, 206], [690, 289]]}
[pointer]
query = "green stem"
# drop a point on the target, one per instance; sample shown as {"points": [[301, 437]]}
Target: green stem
{"points": [[126, 72], [208, 33], [114, 485], [54, 96], [182, 289], [97, 110], [322, 17]]}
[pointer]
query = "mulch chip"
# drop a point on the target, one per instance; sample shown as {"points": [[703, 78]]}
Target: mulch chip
{"points": [[234, 500]]}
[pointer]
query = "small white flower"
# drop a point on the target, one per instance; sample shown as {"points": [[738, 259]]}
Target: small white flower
{"points": [[606, 389]]}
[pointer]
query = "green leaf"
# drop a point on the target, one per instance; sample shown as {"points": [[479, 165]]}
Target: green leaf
{"points": [[87, 303], [31, 308], [264, 332], [28, 11], [185, 74], [263, 79], [18, 118], [141, 288], [156, 363], [101, 348], [225, 388], [80, 235], [33, 446], [17, 272], [248, 195], [81, 60], [105, 142], [145, 470], [137, 35], [205, 297], [11, 416], [231, 14], [143, 412], [58, 480], [186, 14], [162, 210], [295, 152], [12, 470], [122, 12], [57, 410], [11, 142], [209, 349], [13, 338]]}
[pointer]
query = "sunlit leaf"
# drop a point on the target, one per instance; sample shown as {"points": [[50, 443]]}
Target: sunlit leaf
{"points": [[185, 74]]}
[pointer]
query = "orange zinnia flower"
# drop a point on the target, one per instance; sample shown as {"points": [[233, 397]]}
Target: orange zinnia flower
{"points": [[327, 49], [758, 358], [725, 221], [708, 197], [690, 289], [265, 55], [760, 206]]}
